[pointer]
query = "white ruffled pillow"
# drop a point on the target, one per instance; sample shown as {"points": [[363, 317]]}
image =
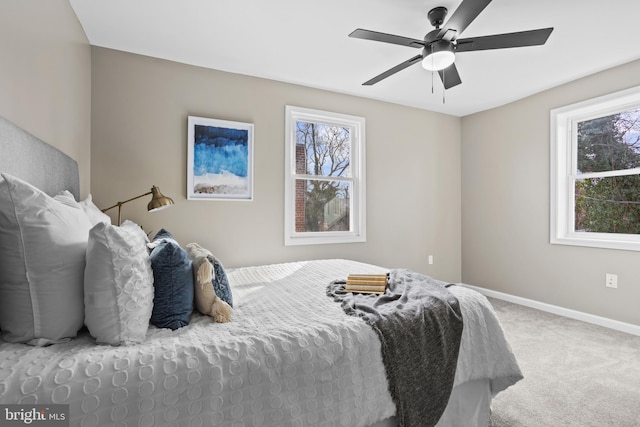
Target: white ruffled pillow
{"points": [[42, 260], [118, 284]]}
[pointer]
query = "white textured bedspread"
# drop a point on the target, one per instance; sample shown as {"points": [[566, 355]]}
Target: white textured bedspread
{"points": [[290, 357]]}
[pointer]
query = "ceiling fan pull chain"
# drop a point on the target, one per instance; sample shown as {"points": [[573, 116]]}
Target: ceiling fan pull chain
{"points": [[444, 86], [431, 82]]}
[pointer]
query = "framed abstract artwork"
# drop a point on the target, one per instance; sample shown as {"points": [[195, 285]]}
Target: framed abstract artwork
{"points": [[219, 159]]}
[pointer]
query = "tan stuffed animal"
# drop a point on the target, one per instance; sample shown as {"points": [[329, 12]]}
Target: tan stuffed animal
{"points": [[207, 302]]}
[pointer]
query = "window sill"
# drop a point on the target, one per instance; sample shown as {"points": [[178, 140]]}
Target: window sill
{"points": [[600, 241], [329, 238]]}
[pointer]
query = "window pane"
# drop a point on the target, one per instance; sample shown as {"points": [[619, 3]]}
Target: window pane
{"points": [[322, 205], [608, 205], [609, 143], [322, 149]]}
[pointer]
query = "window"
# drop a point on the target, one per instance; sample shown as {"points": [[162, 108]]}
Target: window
{"points": [[595, 172], [324, 177]]}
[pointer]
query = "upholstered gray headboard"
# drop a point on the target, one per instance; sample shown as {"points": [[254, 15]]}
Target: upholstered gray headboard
{"points": [[36, 162]]}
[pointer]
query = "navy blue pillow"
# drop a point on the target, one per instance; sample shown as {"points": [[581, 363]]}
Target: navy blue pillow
{"points": [[172, 282], [220, 281]]}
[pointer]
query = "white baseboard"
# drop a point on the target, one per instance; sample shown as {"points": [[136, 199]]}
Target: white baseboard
{"points": [[629, 328]]}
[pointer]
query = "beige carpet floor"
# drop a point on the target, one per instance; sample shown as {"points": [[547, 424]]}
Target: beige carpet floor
{"points": [[576, 374]]}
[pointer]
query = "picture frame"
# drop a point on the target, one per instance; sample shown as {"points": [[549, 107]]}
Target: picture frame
{"points": [[219, 159]]}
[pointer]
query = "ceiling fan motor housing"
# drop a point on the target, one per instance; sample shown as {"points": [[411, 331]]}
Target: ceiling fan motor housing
{"points": [[431, 36]]}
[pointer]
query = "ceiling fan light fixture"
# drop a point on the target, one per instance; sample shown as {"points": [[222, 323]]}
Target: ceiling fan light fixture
{"points": [[438, 56]]}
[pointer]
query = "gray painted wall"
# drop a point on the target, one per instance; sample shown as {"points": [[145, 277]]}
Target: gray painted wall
{"points": [[139, 135], [505, 208], [45, 76]]}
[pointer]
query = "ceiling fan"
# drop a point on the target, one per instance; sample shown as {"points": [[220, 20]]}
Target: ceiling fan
{"points": [[439, 46]]}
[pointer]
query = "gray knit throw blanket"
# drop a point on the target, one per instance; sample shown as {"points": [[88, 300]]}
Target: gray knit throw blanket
{"points": [[419, 323]]}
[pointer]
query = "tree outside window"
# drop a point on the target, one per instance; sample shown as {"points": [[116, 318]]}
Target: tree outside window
{"points": [[608, 203], [324, 185], [322, 151]]}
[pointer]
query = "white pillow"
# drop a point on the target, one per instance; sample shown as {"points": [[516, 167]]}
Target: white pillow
{"points": [[93, 212], [118, 284], [42, 259]]}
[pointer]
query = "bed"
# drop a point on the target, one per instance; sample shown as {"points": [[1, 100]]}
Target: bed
{"points": [[291, 356]]}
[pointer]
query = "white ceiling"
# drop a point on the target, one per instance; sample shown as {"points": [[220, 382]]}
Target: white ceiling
{"points": [[306, 42]]}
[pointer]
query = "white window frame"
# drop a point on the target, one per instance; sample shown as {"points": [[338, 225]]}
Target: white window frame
{"points": [[357, 213], [564, 156]]}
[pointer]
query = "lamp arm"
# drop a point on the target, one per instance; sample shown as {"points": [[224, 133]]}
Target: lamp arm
{"points": [[126, 201], [119, 204]]}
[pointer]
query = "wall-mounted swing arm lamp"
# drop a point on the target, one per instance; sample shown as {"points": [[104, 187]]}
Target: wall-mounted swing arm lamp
{"points": [[158, 201]]}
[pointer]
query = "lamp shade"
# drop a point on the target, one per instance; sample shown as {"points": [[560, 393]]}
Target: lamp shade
{"points": [[158, 200], [438, 55]]}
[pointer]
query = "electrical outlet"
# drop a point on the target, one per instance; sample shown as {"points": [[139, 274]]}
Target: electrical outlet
{"points": [[430, 259], [611, 280]]}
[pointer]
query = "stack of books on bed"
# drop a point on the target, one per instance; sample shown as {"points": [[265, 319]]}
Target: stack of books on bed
{"points": [[366, 283]]}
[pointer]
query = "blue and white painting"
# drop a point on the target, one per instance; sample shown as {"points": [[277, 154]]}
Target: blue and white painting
{"points": [[219, 159]]}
